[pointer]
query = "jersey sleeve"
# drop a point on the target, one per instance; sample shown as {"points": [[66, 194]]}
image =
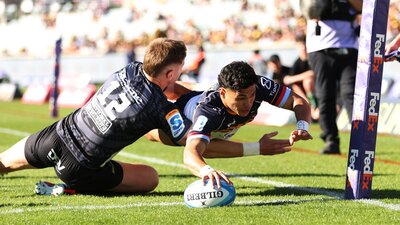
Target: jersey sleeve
{"points": [[176, 125], [204, 122], [272, 92]]}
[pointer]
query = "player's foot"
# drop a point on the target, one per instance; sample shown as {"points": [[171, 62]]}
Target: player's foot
{"points": [[47, 188], [331, 148]]}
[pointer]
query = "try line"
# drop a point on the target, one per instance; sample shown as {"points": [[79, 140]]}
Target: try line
{"points": [[337, 195]]}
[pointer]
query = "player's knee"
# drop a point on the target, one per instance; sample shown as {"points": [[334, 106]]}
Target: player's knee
{"points": [[2, 166], [5, 165], [152, 180]]}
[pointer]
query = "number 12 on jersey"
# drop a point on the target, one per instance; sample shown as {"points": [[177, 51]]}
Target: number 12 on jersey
{"points": [[119, 104]]}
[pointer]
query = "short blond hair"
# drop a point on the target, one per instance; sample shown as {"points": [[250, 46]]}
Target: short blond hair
{"points": [[162, 52]]}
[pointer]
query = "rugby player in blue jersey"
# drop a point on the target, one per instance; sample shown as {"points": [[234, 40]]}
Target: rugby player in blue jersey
{"points": [[220, 111], [81, 145]]}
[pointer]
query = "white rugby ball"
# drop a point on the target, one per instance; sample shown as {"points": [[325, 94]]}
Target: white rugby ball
{"points": [[197, 195]]}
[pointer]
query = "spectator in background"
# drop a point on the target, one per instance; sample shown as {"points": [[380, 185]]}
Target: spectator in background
{"points": [[4, 77], [193, 71], [131, 53], [301, 77], [332, 46], [276, 68], [257, 62]]}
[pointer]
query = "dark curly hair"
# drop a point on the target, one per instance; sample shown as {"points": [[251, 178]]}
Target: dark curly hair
{"points": [[237, 75]]}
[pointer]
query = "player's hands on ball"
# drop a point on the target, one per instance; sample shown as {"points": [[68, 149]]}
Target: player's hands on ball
{"points": [[269, 146], [215, 176], [297, 135]]}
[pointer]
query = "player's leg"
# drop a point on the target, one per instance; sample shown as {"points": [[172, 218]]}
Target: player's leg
{"points": [[137, 178], [35, 151], [13, 159], [112, 177]]}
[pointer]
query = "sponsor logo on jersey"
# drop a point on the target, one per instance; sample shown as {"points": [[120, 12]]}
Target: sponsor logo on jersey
{"points": [[175, 122], [101, 121], [224, 135], [266, 83], [53, 157], [200, 123]]}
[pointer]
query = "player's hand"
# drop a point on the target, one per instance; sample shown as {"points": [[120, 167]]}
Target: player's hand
{"points": [[269, 146], [392, 46], [215, 176], [297, 135]]}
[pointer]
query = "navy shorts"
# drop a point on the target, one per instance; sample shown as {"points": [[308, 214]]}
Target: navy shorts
{"points": [[46, 149]]}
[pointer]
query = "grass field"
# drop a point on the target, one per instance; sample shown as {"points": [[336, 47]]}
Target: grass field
{"points": [[299, 187]]}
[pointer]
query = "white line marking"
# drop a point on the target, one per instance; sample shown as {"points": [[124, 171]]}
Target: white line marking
{"points": [[13, 132], [394, 207], [151, 159], [87, 207], [292, 186], [161, 204]]}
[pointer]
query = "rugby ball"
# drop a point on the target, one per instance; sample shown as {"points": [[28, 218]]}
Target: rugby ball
{"points": [[197, 195]]}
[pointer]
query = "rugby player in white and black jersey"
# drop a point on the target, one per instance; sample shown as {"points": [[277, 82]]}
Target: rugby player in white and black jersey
{"points": [[220, 111], [130, 103]]}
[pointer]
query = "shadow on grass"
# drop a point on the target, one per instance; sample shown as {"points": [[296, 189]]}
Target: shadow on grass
{"points": [[388, 194], [39, 177], [151, 194], [259, 175], [307, 191], [295, 191], [178, 176], [14, 205]]}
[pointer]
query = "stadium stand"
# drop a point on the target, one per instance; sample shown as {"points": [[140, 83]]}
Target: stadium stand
{"points": [[107, 27]]}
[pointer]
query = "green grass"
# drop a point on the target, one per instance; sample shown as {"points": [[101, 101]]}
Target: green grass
{"points": [[259, 201]]}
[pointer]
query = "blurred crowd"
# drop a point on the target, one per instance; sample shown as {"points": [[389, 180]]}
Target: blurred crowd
{"points": [[30, 27]]}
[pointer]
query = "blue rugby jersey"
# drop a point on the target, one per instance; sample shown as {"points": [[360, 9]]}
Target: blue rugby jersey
{"points": [[125, 108], [210, 117]]}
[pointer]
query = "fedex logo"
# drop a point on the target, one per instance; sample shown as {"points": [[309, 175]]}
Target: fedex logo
{"points": [[372, 111], [352, 158], [378, 57], [367, 176]]}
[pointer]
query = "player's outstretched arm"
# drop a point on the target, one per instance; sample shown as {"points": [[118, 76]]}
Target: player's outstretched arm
{"points": [[302, 110], [192, 158], [218, 148], [269, 146]]}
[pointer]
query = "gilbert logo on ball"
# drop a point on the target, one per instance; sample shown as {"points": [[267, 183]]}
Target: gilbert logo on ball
{"points": [[198, 195]]}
